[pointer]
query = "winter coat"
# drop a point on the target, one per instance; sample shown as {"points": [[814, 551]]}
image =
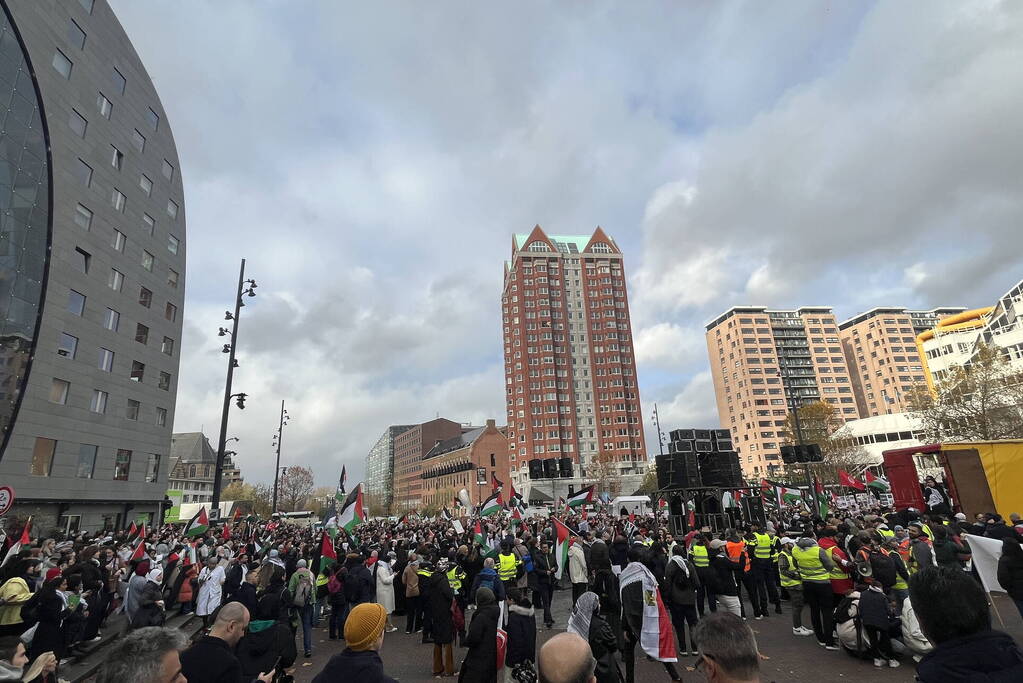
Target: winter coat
{"points": [[987, 656], [149, 613], [480, 662], [605, 585], [48, 637], [411, 581], [1001, 530], [385, 585], [603, 644], [210, 590], [439, 595], [912, 636], [15, 593], [184, 590], [246, 595], [358, 585], [577, 564], [874, 609], [681, 581], [92, 577], [210, 660], [521, 635], [265, 643], [497, 585], [722, 578], [136, 584], [1010, 576], [365, 667], [947, 551], [620, 553]]}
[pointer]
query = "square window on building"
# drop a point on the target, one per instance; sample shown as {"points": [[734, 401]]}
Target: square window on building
{"points": [[120, 83], [146, 184], [75, 302], [118, 200], [164, 382], [152, 468], [116, 157], [106, 360], [167, 346], [99, 401], [42, 457], [172, 278], [131, 411], [138, 141], [111, 320], [104, 106], [86, 461], [83, 172], [75, 34], [145, 297], [147, 260], [161, 417], [83, 217], [141, 333], [78, 123], [172, 244], [59, 390], [172, 209], [67, 345], [118, 240], [170, 312], [62, 64], [81, 259], [138, 371], [167, 170], [122, 465], [116, 280], [153, 119]]}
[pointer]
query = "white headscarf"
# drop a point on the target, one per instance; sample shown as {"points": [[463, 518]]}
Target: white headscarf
{"points": [[582, 613], [155, 575]]}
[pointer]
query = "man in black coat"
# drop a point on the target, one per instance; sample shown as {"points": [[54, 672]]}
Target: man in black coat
{"points": [[544, 567], [442, 629], [360, 661], [358, 582], [235, 575], [211, 659], [481, 639]]}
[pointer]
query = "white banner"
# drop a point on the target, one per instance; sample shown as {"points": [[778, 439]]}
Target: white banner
{"points": [[459, 529], [986, 552]]}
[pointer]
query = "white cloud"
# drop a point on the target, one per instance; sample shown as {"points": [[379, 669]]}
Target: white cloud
{"points": [[669, 347]]}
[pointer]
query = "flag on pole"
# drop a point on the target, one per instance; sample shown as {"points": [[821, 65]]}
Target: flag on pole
{"points": [[821, 498], [352, 513], [445, 515], [580, 497], [132, 530], [226, 533], [877, 483], [140, 551], [845, 479], [190, 557], [562, 540], [342, 480], [516, 517], [23, 541], [514, 497], [199, 523], [328, 556], [787, 495], [479, 537], [492, 505], [495, 483]]}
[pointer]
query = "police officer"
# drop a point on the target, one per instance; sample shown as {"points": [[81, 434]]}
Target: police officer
{"points": [[701, 560], [762, 569], [457, 579]]}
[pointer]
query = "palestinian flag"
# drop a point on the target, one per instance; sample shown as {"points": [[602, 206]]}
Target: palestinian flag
{"points": [[787, 495], [189, 555], [401, 522], [846, 480], [821, 497], [352, 513], [562, 539], [516, 517], [199, 523], [445, 515], [728, 500], [477, 535], [257, 548], [132, 530], [342, 480], [226, 533], [877, 483], [580, 497], [514, 497], [768, 494], [492, 505], [495, 483], [328, 555], [140, 551], [25, 539]]}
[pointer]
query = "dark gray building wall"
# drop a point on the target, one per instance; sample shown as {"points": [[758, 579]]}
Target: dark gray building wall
{"points": [[45, 27]]}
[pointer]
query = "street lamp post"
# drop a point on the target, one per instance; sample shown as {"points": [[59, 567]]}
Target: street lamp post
{"points": [[660, 434], [278, 437], [218, 475]]}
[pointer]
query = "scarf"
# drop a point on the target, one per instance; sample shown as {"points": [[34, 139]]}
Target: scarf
{"points": [[585, 607], [656, 636]]}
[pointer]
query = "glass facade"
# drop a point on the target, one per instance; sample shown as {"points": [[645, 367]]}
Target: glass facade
{"points": [[24, 220]]}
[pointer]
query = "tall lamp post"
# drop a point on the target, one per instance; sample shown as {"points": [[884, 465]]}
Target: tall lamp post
{"points": [[245, 287], [660, 434], [278, 437]]}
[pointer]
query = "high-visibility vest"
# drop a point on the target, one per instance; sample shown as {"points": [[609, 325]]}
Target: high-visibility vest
{"points": [[700, 556], [322, 580], [911, 564], [836, 574], [424, 573], [506, 571], [809, 563], [647, 541], [927, 532], [905, 551], [737, 552], [789, 581], [455, 576], [886, 533], [775, 549], [762, 549]]}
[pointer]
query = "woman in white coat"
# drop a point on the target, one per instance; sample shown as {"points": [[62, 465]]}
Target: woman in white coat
{"points": [[385, 587], [211, 589]]}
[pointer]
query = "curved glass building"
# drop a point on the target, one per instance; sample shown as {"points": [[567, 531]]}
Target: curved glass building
{"points": [[92, 265]]}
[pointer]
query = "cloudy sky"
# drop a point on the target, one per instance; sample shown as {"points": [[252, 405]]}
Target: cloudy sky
{"points": [[372, 160]]}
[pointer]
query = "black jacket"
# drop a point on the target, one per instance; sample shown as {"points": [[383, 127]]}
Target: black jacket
{"points": [[1010, 576], [1001, 530], [521, 635], [358, 585], [987, 657], [233, 579], [723, 574], [541, 564], [481, 639], [265, 644], [364, 667], [246, 595], [603, 643], [210, 660], [681, 586], [149, 613], [439, 596]]}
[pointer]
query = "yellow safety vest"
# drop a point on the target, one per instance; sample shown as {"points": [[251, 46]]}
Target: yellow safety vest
{"points": [[455, 576], [775, 548], [837, 573], [506, 572], [700, 557], [790, 581], [886, 534], [809, 563], [425, 574], [927, 532], [322, 580], [762, 549], [648, 541]]}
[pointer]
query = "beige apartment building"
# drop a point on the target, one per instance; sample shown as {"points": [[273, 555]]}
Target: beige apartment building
{"points": [[880, 348], [765, 362]]}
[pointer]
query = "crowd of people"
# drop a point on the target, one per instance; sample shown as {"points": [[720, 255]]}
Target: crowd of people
{"points": [[884, 586]]}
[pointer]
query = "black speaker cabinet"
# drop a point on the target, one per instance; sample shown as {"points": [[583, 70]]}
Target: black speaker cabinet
{"points": [[683, 446], [536, 469], [550, 468], [721, 434], [565, 465]]}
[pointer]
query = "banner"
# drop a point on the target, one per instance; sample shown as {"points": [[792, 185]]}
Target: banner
{"points": [[986, 552]]}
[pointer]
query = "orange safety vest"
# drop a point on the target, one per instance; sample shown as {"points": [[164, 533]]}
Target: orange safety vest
{"points": [[904, 550], [737, 552]]}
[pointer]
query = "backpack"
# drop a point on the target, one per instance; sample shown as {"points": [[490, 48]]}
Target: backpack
{"points": [[333, 585], [528, 562], [882, 569], [486, 582], [303, 591]]}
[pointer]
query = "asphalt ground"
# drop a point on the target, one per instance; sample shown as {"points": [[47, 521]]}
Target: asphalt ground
{"points": [[784, 657]]}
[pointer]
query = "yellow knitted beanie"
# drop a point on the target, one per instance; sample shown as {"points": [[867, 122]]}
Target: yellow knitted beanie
{"points": [[364, 624]]}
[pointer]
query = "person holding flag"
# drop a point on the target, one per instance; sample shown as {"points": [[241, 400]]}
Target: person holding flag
{"points": [[645, 619]]}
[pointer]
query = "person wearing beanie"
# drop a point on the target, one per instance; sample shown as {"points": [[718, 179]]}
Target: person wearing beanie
{"points": [[360, 661], [302, 592]]}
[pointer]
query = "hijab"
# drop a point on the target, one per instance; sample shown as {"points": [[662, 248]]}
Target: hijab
{"points": [[156, 576], [585, 607]]}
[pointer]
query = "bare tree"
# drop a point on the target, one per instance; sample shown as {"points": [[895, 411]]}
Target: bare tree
{"points": [[604, 473], [293, 488], [258, 496], [821, 424], [979, 402]]}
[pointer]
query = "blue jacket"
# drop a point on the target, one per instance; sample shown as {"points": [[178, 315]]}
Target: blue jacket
{"points": [[497, 587], [365, 667], [989, 656]]}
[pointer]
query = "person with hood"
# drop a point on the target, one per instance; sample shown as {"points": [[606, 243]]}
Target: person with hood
{"points": [[586, 622], [815, 567], [14, 659], [1010, 571], [521, 634], [211, 584], [619, 553], [385, 587], [481, 639], [15, 592], [488, 578], [681, 582], [439, 596], [50, 610], [150, 602], [268, 643], [136, 582], [301, 588], [954, 615], [948, 550], [544, 567], [721, 577], [360, 661], [183, 592]]}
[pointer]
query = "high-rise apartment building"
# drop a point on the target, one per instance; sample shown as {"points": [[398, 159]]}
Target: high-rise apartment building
{"points": [[884, 362], [570, 372], [764, 363], [92, 265], [380, 467]]}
